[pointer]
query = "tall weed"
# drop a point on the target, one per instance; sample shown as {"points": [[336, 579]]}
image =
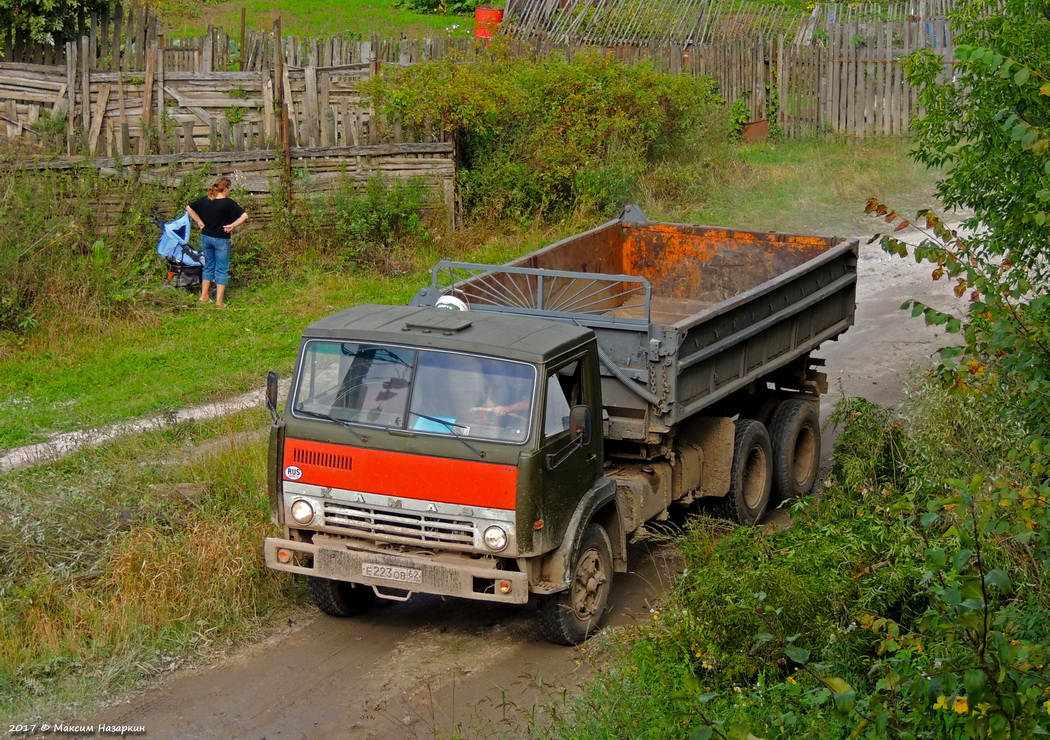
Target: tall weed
{"points": [[110, 564]]}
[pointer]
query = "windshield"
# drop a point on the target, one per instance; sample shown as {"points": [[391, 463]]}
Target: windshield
{"points": [[417, 390]]}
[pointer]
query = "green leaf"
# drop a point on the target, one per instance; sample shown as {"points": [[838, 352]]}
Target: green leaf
{"points": [[929, 518], [998, 578], [975, 682], [960, 559], [1022, 76], [736, 729], [837, 685], [797, 654], [844, 702], [703, 732], [936, 558]]}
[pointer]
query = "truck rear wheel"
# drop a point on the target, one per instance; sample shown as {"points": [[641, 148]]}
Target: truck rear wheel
{"points": [[570, 617], [751, 477], [795, 433], [340, 599]]}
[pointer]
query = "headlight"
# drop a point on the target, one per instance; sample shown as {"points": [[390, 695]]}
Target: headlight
{"points": [[495, 538], [302, 512]]}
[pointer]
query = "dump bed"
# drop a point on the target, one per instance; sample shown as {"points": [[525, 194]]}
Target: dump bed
{"points": [[684, 315]]}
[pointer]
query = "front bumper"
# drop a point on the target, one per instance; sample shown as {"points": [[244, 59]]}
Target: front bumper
{"points": [[440, 577]]}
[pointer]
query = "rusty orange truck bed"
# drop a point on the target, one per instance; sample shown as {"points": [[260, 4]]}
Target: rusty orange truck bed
{"points": [[685, 316]]}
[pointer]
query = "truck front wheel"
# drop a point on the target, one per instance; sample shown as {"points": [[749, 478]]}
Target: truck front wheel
{"points": [[795, 433], [751, 477], [340, 599], [573, 615]]}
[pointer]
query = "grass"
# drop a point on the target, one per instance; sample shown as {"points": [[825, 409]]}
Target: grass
{"points": [[176, 515], [804, 186], [313, 18]]}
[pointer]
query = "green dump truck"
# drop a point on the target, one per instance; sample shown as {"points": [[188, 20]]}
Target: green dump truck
{"points": [[507, 434]]}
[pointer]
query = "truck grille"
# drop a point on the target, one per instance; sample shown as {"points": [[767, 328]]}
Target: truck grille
{"points": [[399, 525]]}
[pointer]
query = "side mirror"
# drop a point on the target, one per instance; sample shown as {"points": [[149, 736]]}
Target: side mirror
{"points": [[271, 394], [580, 424], [579, 435]]}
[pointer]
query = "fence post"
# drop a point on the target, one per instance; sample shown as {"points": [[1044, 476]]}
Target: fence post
{"points": [[147, 100], [71, 91], [240, 53], [207, 51], [162, 113], [311, 137], [85, 85], [280, 73]]}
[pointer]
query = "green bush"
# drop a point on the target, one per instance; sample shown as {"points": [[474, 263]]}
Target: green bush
{"points": [[898, 604], [373, 224], [551, 137]]}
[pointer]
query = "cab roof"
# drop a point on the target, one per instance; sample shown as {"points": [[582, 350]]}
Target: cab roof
{"points": [[501, 335]]}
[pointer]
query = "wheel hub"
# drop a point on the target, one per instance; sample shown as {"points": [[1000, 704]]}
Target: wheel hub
{"points": [[588, 585]]}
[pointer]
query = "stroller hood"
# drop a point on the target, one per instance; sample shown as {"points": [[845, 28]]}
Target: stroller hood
{"points": [[174, 242]]}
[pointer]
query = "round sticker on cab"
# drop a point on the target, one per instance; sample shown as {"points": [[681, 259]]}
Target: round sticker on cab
{"points": [[293, 473]]}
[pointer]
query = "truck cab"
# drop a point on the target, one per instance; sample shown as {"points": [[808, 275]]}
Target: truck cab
{"points": [[439, 451]]}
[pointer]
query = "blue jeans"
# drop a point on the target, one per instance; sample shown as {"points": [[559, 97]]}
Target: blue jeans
{"points": [[216, 259]]}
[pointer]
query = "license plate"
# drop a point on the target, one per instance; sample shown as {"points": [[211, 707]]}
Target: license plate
{"points": [[392, 573]]}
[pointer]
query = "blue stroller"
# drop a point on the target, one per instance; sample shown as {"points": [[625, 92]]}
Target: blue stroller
{"points": [[184, 262]]}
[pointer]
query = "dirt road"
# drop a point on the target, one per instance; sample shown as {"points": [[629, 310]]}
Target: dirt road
{"points": [[419, 669], [430, 668]]}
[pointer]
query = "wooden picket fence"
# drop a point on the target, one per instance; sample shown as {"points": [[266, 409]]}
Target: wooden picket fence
{"points": [[123, 88]]}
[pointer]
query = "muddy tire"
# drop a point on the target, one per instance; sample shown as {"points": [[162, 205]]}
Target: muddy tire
{"points": [[795, 434], [570, 617], [340, 599], [751, 477]]}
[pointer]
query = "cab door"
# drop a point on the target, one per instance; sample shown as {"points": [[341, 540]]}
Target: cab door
{"points": [[568, 469]]}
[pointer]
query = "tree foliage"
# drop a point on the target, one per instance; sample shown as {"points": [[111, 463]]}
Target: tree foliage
{"points": [[987, 121], [46, 21]]}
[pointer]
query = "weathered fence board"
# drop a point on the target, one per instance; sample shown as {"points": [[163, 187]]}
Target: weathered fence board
{"points": [[319, 170]]}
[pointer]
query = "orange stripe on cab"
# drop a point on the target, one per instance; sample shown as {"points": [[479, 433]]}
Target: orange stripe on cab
{"points": [[402, 475]]}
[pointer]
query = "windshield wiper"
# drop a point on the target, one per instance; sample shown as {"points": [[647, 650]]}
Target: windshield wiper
{"points": [[452, 430], [341, 422]]}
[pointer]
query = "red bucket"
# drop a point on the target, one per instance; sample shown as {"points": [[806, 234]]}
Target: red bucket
{"points": [[486, 21]]}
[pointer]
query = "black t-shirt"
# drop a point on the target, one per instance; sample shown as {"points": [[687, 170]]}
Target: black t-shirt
{"points": [[216, 213]]}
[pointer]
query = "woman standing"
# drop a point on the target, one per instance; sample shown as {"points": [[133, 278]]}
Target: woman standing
{"points": [[217, 215]]}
